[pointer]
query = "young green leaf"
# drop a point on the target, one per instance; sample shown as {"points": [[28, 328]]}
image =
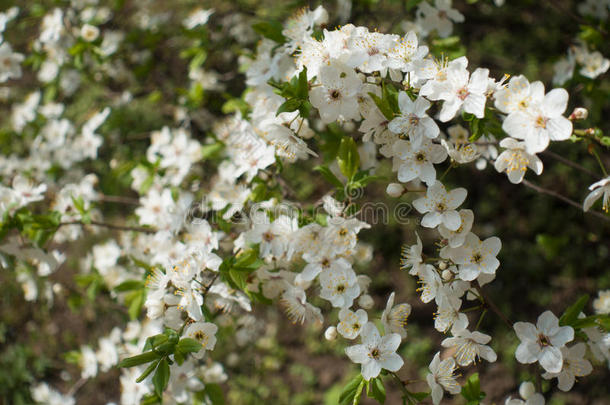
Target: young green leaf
{"points": [[348, 157], [143, 358], [161, 377]]}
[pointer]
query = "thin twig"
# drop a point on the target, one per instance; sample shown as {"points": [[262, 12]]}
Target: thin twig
{"points": [[110, 226], [563, 198], [77, 386], [568, 162], [491, 305], [118, 199]]}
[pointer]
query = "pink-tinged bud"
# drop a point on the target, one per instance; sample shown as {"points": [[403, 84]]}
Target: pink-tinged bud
{"points": [[579, 113], [395, 190]]}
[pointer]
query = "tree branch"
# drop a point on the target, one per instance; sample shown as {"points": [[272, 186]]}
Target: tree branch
{"points": [[110, 226], [491, 305], [568, 162], [563, 198], [118, 199]]}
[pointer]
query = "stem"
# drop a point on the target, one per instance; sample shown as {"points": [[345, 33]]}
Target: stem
{"points": [[480, 319], [473, 309], [601, 165], [568, 162], [562, 198], [400, 383], [118, 199], [110, 226], [446, 171], [491, 305]]}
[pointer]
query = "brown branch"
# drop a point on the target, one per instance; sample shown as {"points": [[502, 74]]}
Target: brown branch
{"points": [[487, 302], [118, 199], [574, 165], [563, 198], [110, 226]]}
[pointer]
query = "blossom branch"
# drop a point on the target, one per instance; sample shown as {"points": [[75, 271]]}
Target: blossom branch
{"points": [[562, 198], [118, 199], [491, 305], [110, 226], [568, 162]]}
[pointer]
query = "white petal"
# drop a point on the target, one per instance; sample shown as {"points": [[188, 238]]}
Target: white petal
{"points": [[551, 359], [555, 103], [357, 353], [547, 323], [564, 335], [526, 353], [525, 331], [371, 370], [452, 220], [392, 362], [559, 128]]}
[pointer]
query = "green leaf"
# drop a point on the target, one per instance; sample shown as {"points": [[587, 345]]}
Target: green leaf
{"points": [[214, 393], [383, 106], [349, 393], [161, 377], [135, 300], [303, 85], [570, 315], [154, 341], [411, 4], [377, 390], [179, 357], [390, 95], [208, 151], [238, 278], [147, 372], [289, 105], [271, 30], [188, 345], [129, 285], [248, 261], [472, 390], [143, 358], [598, 321], [348, 157], [329, 176]]}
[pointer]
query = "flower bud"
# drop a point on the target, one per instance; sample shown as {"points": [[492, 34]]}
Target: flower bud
{"points": [[442, 265], [579, 113], [447, 275], [89, 32], [526, 390], [330, 333], [366, 301], [395, 190]]}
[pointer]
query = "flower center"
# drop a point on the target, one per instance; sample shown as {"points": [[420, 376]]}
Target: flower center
{"points": [[476, 258], [420, 157], [335, 94], [375, 353], [541, 122], [543, 340], [463, 93], [268, 236]]}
